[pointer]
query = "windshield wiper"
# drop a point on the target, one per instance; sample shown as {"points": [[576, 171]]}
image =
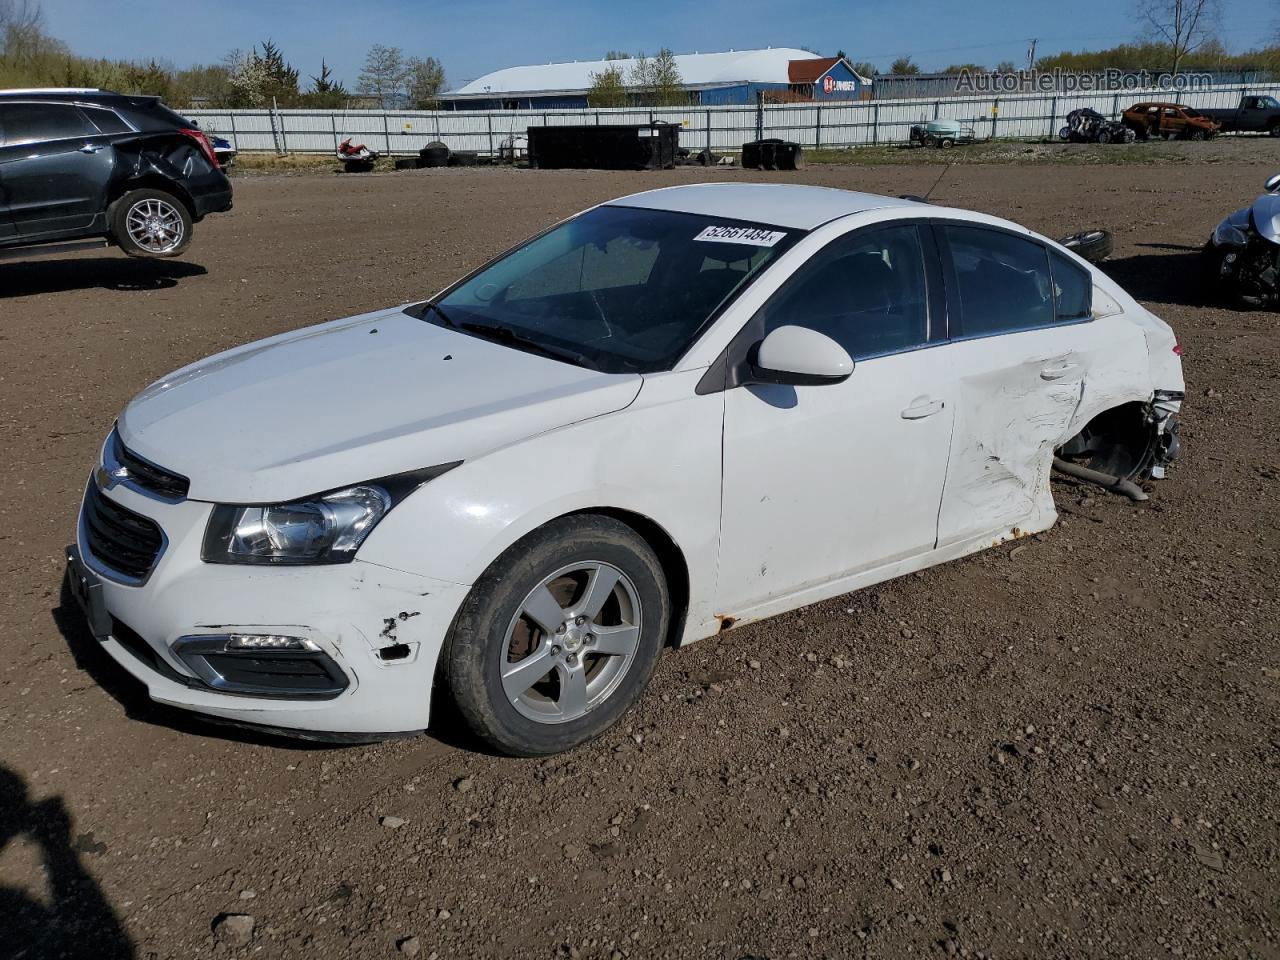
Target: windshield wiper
{"points": [[510, 338], [429, 305]]}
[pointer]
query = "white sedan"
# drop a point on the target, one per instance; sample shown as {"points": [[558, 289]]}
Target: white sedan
{"points": [[674, 413]]}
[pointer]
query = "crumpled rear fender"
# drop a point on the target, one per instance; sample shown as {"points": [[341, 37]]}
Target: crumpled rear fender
{"points": [[169, 157]]}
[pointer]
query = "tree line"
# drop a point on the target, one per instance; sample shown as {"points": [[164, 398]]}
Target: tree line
{"points": [[259, 77], [649, 82]]}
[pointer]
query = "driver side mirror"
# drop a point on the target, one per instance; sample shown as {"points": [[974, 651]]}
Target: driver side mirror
{"points": [[799, 357]]}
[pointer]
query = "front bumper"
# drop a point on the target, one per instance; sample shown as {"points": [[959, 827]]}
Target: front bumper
{"points": [[381, 629]]}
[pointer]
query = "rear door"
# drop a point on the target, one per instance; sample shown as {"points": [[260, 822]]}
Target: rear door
{"points": [[54, 168], [1020, 364]]}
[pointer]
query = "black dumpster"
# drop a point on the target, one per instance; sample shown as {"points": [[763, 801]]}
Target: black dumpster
{"points": [[604, 147]]}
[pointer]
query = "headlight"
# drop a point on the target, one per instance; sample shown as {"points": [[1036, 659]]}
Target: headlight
{"points": [[326, 528], [1227, 235]]}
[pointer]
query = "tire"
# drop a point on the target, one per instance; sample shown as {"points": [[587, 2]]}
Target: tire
{"points": [[150, 224], [434, 154], [494, 623], [463, 158], [706, 158], [406, 163], [1064, 134], [1092, 245], [1104, 136], [1274, 130], [946, 143], [1196, 134]]}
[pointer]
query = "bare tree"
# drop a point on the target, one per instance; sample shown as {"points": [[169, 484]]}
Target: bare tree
{"points": [[21, 28], [384, 75], [1185, 25]]}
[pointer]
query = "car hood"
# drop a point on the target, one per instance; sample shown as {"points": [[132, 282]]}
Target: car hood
{"points": [[353, 400]]}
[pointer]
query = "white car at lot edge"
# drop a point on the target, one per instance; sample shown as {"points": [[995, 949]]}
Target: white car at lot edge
{"points": [[676, 412]]}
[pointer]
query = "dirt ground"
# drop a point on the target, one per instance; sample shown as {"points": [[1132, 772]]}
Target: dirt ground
{"points": [[1067, 748]]}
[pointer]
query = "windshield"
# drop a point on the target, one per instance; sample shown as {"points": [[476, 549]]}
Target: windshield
{"points": [[618, 289]]}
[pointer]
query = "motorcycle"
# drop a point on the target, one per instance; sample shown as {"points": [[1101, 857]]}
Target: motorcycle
{"points": [[1242, 257]]}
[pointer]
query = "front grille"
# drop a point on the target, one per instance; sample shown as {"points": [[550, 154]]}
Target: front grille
{"points": [[119, 538], [147, 475]]}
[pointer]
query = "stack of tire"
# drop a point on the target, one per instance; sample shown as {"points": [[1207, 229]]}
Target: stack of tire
{"points": [[437, 154], [772, 154]]}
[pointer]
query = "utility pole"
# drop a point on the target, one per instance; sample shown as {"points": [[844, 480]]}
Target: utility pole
{"points": [[1031, 53]]}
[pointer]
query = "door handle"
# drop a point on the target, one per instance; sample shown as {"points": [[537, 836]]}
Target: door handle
{"points": [[91, 148], [1056, 372], [922, 407]]}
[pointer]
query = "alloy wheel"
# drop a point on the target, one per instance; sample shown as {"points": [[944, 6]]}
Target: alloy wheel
{"points": [[155, 225], [571, 642]]}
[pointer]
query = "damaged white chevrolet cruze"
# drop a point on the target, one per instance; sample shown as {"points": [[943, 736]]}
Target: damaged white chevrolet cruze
{"points": [[674, 413]]}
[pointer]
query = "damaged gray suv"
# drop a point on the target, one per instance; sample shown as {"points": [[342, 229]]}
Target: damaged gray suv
{"points": [[82, 168]]}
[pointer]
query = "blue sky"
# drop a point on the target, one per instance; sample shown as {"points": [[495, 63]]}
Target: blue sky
{"points": [[472, 38]]}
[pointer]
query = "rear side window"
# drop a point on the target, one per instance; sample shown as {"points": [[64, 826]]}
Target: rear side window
{"points": [[1004, 282], [36, 122], [866, 291], [107, 121], [1072, 290]]}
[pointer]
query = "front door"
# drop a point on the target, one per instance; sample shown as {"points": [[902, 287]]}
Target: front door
{"points": [[54, 168], [822, 482]]}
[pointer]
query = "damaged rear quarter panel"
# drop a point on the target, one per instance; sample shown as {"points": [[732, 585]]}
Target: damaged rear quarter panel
{"points": [[172, 157], [1009, 419]]}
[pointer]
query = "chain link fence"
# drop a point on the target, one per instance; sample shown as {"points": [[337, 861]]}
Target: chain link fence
{"points": [[722, 129]]}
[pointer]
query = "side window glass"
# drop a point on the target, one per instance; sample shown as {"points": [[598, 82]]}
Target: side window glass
{"points": [[866, 291], [36, 122], [1072, 290], [1004, 281], [107, 121]]}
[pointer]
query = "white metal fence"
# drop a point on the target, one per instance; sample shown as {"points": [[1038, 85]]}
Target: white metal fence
{"points": [[828, 124]]}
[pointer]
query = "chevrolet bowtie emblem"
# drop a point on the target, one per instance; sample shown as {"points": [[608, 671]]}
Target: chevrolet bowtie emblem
{"points": [[106, 479]]}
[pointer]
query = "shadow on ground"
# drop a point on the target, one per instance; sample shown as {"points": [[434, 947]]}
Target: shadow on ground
{"points": [[1171, 273], [120, 273], [70, 918]]}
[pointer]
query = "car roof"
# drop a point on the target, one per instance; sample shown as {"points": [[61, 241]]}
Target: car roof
{"points": [[77, 95], [776, 204]]}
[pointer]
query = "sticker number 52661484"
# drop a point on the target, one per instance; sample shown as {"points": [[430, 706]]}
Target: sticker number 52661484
{"points": [[755, 236]]}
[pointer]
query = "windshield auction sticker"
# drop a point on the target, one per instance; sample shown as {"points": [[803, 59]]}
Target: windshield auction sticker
{"points": [[750, 235]]}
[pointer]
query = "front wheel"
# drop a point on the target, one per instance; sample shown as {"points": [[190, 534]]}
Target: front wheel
{"points": [[150, 223], [558, 638], [1274, 130]]}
